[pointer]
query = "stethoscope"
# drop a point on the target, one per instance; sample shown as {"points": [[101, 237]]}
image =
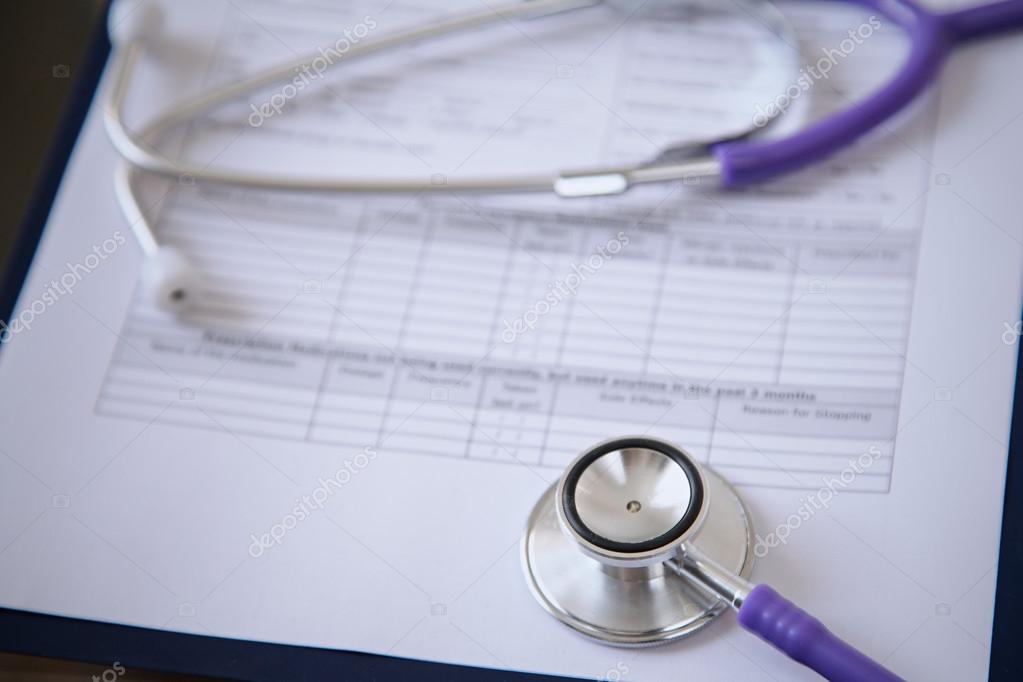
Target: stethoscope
{"points": [[732, 160], [638, 544]]}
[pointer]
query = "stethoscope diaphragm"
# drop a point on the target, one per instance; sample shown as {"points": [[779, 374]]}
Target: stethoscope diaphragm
{"points": [[638, 544], [596, 542]]}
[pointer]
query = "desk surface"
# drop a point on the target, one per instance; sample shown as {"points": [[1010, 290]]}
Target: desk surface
{"points": [[31, 669]]}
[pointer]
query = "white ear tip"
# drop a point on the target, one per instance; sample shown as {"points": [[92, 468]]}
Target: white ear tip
{"points": [[131, 20], [172, 281]]}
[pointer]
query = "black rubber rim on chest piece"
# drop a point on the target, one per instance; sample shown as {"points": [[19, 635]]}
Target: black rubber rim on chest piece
{"points": [[659, 446]]}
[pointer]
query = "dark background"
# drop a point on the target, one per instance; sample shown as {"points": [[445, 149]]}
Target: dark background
{"points": [[42, 47]]}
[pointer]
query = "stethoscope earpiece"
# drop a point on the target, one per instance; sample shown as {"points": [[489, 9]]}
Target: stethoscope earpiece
{"points": [[171, 280], [138, 23]]}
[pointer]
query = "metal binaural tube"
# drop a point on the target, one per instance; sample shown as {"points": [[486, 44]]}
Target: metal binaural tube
{"points": [[695, 566]]}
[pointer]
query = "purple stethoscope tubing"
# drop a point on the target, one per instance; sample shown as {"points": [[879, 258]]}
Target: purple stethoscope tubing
{"points": [[931, 35], [806, 640], [765, 612]]}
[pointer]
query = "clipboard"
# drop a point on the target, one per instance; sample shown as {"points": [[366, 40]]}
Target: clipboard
{"points": [[36, 634]]}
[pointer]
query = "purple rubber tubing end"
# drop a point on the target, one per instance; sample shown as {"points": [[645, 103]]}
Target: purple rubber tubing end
{"points": [[805, 639], [931, 36]]}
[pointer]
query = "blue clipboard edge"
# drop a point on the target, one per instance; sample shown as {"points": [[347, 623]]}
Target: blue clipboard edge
{"points": [[234, 659], [37, 634], [1007, 634]]}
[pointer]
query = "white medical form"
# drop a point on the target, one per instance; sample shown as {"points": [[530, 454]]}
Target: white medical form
{"points": [[339, 446]]}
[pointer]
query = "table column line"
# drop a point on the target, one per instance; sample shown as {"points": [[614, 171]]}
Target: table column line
{"points": [[342, 292], [570, 307], [473, 421], [555, 385], [788, 313], [658, 296], [424, 246]]}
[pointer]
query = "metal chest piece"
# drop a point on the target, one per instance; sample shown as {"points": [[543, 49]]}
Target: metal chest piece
{"points": [[596, 542]]}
